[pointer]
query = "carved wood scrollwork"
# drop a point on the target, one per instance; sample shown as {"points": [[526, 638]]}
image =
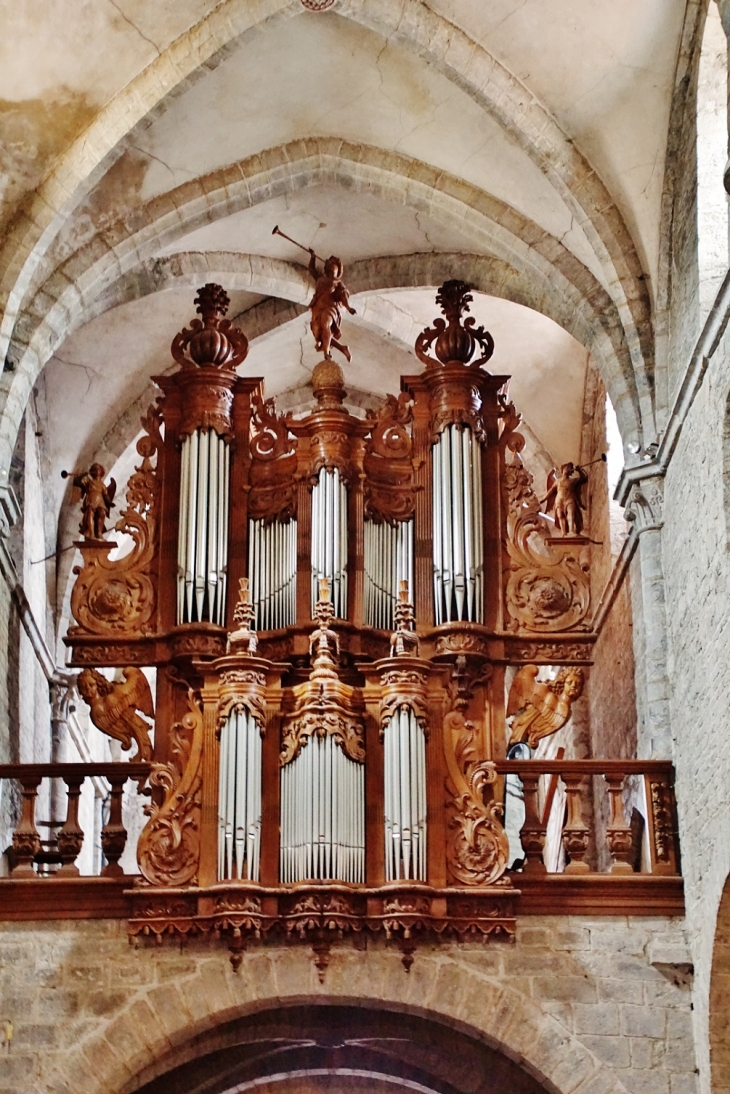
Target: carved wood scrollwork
{"points": [[243, 689], [548, 588], [477, 849], [390, 490], [168, 851], [273, 493], [404, 686], [118, 598]]}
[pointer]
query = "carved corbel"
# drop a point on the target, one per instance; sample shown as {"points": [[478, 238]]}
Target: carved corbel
{"points": [[168, 851], [477, 848], [645, 506]]}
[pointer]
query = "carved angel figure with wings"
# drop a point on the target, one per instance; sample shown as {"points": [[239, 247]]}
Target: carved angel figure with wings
{"points": [[541, 708], [114, 705], [565, 495]]}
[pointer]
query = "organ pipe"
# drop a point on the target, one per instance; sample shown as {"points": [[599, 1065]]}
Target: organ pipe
{"points": [[272, 566], [203, 528], [457, 526], [239, 797], [322, 815], [329, 538], [388, 561], [405, 797]]}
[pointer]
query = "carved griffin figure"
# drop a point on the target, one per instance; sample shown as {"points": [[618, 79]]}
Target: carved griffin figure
{"points": [[541, 708], [114, 705]]}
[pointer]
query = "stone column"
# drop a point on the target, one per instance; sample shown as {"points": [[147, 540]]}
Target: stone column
{"points": [[645, 511]]}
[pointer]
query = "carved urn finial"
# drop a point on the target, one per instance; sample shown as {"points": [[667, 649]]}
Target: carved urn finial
{"points": [[243, 638], [455, 340], [212, 342], [328, 384], [404, 641]]}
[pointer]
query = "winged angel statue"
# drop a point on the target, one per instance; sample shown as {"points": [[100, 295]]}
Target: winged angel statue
{"points": [[114, 705], [541, 708]]}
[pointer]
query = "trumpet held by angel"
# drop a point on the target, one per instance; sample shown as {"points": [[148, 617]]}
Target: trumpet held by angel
{"points": [[114, 707], [539, 708]]}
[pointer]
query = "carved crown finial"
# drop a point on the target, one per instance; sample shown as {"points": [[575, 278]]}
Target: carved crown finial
{"points": [[243, 639], [455, 341], [404, 640], [212, 343]]}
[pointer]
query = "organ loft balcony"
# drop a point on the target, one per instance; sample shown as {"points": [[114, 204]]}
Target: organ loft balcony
{"points": [[349, 657]]}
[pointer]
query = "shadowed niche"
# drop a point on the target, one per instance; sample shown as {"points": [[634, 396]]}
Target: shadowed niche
{"points": [[329, 1049]]}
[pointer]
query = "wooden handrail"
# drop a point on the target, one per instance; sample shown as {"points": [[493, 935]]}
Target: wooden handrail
{"points": [[586, 767], [62, 771]]}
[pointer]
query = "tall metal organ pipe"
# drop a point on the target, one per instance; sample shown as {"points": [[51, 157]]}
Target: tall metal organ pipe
{"points": [[405, 797], [329, 538], [203, 528], [388, 561], [322, 815], [239, 797], [457, 526], [272, 568]]}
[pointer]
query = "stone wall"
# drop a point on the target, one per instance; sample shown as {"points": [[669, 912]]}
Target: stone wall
{"points": [[576, 1000]]}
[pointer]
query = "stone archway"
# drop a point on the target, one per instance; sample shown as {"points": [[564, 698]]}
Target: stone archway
{"points": [[720, 998]]}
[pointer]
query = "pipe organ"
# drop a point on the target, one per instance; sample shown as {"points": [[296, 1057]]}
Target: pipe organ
{"points": [[331, 602]]}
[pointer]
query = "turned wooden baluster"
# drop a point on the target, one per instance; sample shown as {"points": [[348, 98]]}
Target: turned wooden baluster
{"points": [[532, 833], [575, 831], [618, 832], [26, 839], [114, 834], [71, 837]]}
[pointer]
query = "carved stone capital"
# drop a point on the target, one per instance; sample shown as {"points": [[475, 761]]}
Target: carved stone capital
{"points": [[645, 504]]}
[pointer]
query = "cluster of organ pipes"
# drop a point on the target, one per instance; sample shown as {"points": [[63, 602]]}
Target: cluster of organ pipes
{"points": [[388, 551], [322, 815], [272, 568], [404, 743], [203, 528], [329, 538], [239, 797], [457, 526]]}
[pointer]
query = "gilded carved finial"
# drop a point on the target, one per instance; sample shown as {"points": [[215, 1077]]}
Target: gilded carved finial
{"points": [[243, 639], [455, 340], [404, 640], [211, 342]]}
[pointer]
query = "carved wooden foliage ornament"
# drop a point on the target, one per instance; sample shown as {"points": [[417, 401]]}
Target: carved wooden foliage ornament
{"points": [[477, 849], [168, 851], [273, 494], [548, 588], [118, 598], [390, 491]]}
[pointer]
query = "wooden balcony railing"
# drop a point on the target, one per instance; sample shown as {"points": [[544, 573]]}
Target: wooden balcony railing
{"points": [[579, 804]]}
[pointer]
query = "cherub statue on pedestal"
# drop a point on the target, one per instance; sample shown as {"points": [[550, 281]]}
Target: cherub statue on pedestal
{"points": [[565, 495], [330, 297], [97, 500]]}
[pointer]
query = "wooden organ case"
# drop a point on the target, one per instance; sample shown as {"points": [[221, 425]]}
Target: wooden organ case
{"points": [[330, 603]]}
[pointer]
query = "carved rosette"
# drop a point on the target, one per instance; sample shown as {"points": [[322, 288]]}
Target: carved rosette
{"points": [[118, 598], [389, 489], [168, 851], [477, 850], [273, 494], [548, 588], [243, 689]]}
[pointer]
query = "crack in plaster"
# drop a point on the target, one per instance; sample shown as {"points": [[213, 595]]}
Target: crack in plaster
{"points": [[134, 26]]}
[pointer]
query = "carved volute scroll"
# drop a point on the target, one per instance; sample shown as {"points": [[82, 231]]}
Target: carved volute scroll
{"points": [[273, 494], [477, 848], [324, 705], [168, 851], [548, 588], [390, 491], [208, 351], [118, 598]]}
